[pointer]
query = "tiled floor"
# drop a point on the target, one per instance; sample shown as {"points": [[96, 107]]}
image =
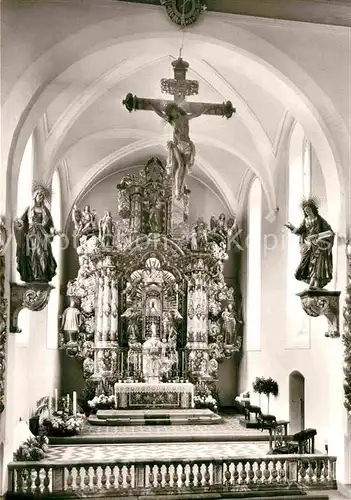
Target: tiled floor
{"points": [[146, 451], [230, 426]]}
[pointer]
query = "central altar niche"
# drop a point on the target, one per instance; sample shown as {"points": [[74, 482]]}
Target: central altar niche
{"points": [[154, 305]]}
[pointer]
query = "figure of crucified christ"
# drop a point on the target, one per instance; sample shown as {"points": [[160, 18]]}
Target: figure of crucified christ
{"points": [[181, 151]]}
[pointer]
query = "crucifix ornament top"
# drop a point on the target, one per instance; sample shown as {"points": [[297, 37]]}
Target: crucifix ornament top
{"points": [[184, 12], [178, 113]]}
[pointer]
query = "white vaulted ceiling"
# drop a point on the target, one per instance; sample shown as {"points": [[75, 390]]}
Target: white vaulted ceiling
{"points": [[78, 81]]}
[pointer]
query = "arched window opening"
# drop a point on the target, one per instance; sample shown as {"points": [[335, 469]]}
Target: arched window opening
{"points": [[54, 301], [24, 199], [254, 253], [298, 322]]}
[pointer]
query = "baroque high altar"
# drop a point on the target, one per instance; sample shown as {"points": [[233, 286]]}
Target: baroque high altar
{"points": [[150, 303]]}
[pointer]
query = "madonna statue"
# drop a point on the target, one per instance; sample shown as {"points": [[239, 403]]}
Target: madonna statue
{"points": [[316, 243], [34, 232]]}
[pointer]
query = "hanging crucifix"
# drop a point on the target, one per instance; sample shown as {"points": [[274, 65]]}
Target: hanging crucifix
{"points": [[181, 151]]}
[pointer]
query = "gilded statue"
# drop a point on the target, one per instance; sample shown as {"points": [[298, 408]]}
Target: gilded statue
{"points": [[34, 232], [107, 229], [228, 325], [71, 320], [316, 244], [84, 221]]}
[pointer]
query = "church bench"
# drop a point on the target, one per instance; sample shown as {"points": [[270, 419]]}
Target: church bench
{"points": [[301, 442]]}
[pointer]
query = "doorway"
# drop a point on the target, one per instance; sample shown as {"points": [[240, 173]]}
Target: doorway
{"points": [[296, 402]]}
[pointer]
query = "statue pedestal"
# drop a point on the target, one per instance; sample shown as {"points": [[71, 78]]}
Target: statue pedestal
{"points": [[33, 296], [317, 302]]}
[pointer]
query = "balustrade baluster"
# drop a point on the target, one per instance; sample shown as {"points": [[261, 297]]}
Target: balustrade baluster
{"points": [[274, 472], [302, 471], [128, 475], [69, 478], [243, 473], [282, 471], [207, 474], [19, 480], [175, 475], [37, 480], [311, 471], [191, 475], [86, 480], [78, 479], [266, 473], [182, 475], [251, 473], [199, 475], [46, 480], [29, 480], [120, 478], [95, 477], [103, 477], [159, 476], [168, 476], [152, 477], [227, 473], [112, 477], [258, 472]]}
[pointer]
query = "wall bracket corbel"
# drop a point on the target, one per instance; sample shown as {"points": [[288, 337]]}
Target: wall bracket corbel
{"points": [[318, 302], [33, 296]]}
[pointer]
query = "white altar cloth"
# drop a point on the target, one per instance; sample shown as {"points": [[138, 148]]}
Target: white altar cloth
{"points": [[160, 394]]}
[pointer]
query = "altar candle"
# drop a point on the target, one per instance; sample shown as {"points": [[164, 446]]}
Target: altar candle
{"points": [[68, 402], [49, 404], [115, 400], [74, 402], [56, 400]]}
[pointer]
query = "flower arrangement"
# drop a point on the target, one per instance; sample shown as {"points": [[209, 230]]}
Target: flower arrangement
{"points": [[102, 402], [32, 449], [205, 401], [62, 424]]}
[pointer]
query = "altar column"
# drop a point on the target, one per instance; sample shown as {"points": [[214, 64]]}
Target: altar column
{"points": [[106, 343], [197, 334]]}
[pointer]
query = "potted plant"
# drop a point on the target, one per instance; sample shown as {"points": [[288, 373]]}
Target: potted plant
{"points": [[266, 386], [257, 386]]}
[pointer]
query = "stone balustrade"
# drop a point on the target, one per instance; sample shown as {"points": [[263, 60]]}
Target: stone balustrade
{"points": [[172, 476]]}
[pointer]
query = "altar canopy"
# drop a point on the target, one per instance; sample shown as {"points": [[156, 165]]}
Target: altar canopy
{"points": [[154, 304]]}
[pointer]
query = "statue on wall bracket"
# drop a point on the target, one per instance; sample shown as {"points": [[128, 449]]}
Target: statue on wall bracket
{"points": [[316, 265]]}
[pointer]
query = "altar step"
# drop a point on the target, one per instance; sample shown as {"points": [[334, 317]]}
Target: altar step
{"points": [[155, 417]]}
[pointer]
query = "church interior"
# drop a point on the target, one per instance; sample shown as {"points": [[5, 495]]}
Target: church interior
{"points": [[175, 249]]}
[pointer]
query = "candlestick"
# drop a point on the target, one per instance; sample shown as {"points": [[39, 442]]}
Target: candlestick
{"points": [[74, 409], [56, 400]]}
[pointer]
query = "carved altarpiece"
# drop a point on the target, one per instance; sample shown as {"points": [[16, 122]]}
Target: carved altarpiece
{"points": [[154, 304]]}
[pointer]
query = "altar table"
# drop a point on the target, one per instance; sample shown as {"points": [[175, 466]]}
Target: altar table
{"points": [[157, 395]]}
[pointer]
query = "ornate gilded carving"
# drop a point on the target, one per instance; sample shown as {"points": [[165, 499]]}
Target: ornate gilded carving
{"points": [[323, 302], [347, 332], [184, 12], [3, 312], [33, 296], [156, 302]]}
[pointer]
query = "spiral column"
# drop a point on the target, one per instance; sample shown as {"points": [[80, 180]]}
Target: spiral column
{"points": [[347, 332]]}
